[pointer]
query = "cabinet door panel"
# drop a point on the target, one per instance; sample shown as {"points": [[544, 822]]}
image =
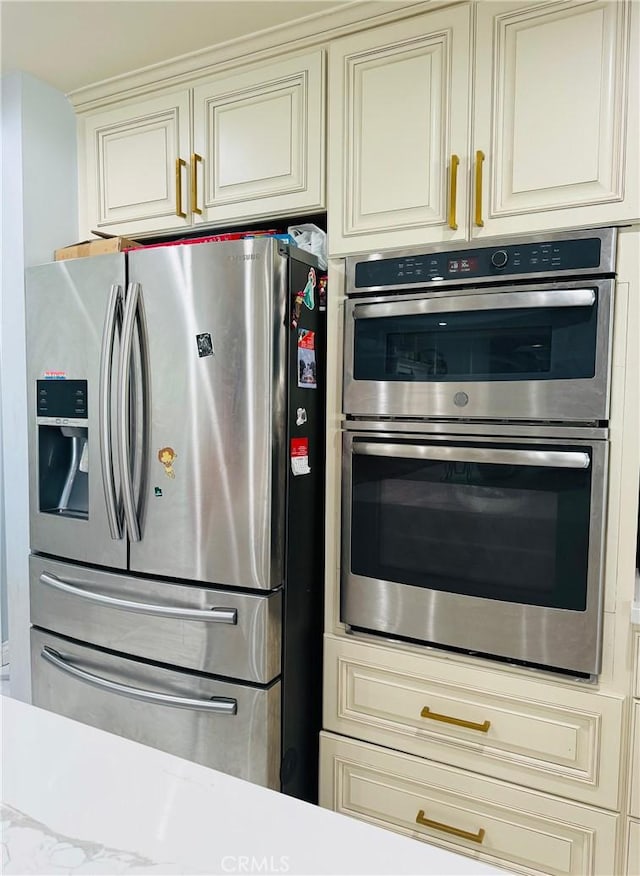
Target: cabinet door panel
{"points": [[404, 89], [634, 802], [260, 134], [633, 847], [131, 157], [551, 95]]}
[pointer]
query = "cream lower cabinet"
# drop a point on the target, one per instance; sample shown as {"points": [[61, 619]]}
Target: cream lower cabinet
{"points": [[553, 137], [524, 831], [633, 822], [517, 769], [244, 144], [633, 847]]}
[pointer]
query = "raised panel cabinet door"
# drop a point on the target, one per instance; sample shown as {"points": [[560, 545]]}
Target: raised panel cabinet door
{"points": [[497, 822], [556, 97], [259, 141], [133, 183], [398, 133]]}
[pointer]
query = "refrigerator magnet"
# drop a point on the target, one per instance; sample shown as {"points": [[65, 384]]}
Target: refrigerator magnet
{"points": [[166, 457], [301, 416], [296, 309], [322, 293], [307, 292], [300, 456], [204, 343], [307, 378]]}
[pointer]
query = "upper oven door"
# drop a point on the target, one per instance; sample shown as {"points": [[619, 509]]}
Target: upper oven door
{"points": [[519, 353]]}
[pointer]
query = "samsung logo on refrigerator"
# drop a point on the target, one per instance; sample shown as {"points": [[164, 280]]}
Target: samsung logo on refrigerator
{"points": [[247, 257]]}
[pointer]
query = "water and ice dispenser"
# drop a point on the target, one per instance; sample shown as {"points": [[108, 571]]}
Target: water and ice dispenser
{"points": [[63, 450]]}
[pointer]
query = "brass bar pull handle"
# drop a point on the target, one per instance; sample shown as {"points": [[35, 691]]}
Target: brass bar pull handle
{"points": [[453, 191], [195, 158], [479, 160], [459, 722], [180, 163], [447, 828]]}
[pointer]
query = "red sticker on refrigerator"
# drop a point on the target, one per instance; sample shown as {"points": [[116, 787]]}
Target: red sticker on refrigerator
{"points": [[300, 456]]}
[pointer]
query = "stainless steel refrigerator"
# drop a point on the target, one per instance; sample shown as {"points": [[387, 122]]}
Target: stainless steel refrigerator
{"points": [[176, 407]]}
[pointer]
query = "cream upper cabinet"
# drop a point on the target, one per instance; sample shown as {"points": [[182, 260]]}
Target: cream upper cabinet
{"points": [[556, 115], [551, 100], [245, 144], [398, 126], [131, 178], [260, 135]]}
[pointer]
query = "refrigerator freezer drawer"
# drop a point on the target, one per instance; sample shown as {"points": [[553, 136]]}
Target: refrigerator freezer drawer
{"points": [[233, 728], [214, 631]]}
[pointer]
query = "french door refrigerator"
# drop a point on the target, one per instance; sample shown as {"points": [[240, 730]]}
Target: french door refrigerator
{"points": [[176, 421]]}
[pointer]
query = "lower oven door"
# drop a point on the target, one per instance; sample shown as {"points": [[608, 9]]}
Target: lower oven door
{"points": [[492, 545], [231, 727]]}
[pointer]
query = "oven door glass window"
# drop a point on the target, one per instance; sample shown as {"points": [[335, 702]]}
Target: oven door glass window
{"points": [[515, 533], [546, 343]]}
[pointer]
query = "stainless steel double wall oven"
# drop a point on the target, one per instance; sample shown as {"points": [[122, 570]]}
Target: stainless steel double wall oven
{"points": [[476, 394]]}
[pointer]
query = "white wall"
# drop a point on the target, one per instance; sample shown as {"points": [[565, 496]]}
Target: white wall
{"points": [[39, 213]]}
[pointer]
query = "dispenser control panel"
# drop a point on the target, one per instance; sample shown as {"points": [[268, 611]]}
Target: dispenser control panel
{"points": [[61, 399]]}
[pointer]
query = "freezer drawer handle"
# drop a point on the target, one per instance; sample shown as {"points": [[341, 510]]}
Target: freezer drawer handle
{"points": [[218, 705], [215, 615]]}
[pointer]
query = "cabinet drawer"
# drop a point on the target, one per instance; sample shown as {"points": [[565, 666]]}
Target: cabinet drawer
{"points": [[556, 738], [634, 757], [487, 819]]}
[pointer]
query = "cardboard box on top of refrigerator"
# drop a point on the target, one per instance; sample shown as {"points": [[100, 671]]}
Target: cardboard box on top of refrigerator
{"points": [[106, 243]]}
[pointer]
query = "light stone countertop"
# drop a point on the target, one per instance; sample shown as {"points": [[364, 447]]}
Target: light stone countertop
{"points": [[78, 800]]}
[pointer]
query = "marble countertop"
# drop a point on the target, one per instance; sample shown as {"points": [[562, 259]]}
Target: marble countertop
{"points": [[79, 800]]}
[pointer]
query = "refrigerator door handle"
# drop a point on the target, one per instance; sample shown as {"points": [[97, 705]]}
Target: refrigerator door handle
{"points": [[217, 705], [113, 320], [211, 615], [124, 455]]}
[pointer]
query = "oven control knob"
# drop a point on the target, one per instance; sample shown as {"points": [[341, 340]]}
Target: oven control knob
{"points": [[499, 258]]}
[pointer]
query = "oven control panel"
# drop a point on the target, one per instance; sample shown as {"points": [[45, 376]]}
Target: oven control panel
{"points": [[553, 257]]}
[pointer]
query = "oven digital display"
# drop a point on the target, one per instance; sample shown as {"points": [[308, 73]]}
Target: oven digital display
{"points": [[463, 265]]}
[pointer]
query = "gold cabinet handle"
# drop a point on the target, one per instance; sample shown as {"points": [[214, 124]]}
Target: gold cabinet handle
{"points": [[180, 163], [479, 160], [446, 828], [453, 190], [195, 158], [459, 722]]}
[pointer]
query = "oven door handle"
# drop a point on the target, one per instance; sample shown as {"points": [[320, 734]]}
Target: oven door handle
{"points": [[490, 301], [544, 458]]}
